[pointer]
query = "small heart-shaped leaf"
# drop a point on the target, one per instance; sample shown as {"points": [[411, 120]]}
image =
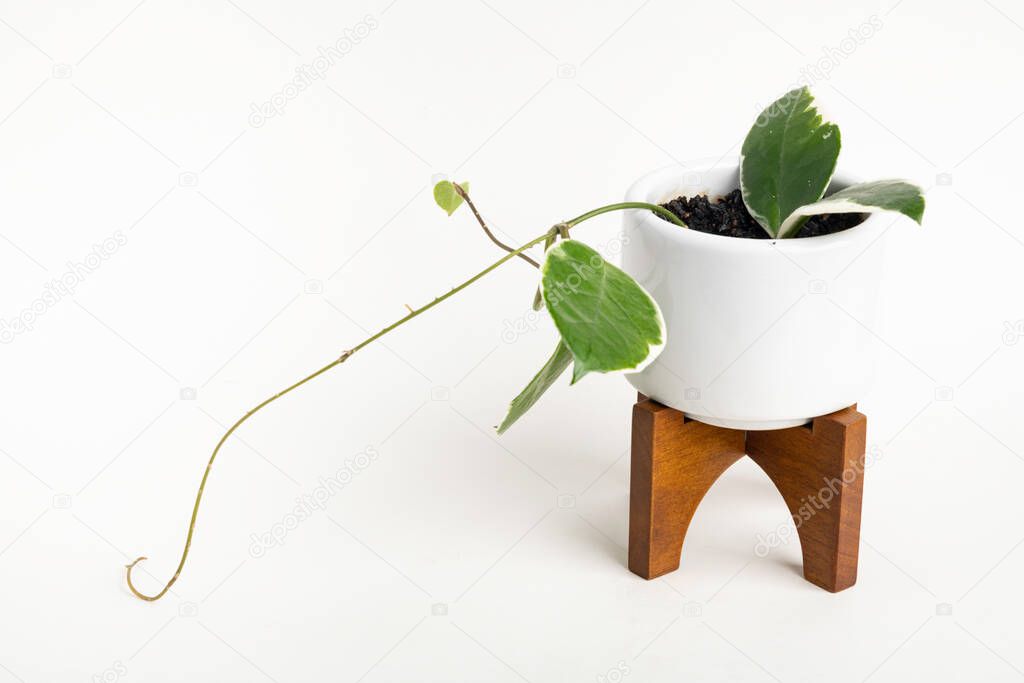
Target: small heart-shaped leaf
{"points": [[447, 197]]}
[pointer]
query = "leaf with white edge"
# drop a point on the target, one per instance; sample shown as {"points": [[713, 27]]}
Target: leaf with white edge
{"points": [[787, 159], [446, 196], [879, 195], [607, 320], [540, 383]]}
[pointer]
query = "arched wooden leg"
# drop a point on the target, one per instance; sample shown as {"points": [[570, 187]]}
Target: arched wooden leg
{"points": [[674, 463], [819, 469]]}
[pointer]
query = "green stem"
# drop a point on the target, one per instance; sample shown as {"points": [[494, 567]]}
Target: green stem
{"points": [[483, 224], [661, 211], [348, 354]]}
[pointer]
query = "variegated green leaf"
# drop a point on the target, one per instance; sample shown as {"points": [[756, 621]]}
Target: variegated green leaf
{"points": [[606, 319], [540, 383], [879, 195], [787, 159]]}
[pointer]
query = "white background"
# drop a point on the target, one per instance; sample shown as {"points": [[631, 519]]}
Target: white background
{"points": [[253, 255]]}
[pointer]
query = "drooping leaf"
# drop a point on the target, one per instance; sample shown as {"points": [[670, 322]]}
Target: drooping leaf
{"points": [[606, 319], [540, 383], [872, 197], [787, 159], [538, 300], [446, 196]]}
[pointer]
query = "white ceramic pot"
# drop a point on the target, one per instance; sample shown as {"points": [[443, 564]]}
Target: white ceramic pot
{"points": [[762, 334]]}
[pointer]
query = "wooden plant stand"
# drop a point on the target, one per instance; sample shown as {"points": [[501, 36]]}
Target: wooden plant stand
{"points": [[818, 469]]}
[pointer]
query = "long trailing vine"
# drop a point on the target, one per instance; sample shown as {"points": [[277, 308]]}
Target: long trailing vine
{"points": [[449, 196]]}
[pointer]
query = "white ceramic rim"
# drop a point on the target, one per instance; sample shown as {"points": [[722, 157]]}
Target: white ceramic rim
{"points": [[646, 190]]}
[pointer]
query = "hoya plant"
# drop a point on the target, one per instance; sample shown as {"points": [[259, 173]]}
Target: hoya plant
{"points": [[607, 322]]}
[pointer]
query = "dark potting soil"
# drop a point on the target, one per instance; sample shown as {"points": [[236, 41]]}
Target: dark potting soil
{"points": [[728, 216]]}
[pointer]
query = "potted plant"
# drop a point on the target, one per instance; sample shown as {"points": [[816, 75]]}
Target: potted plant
{"points": [[756, 339], [717, 310]]}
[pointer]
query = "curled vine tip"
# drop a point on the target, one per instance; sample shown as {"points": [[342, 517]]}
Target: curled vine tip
{"points": [[135, 591]]}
